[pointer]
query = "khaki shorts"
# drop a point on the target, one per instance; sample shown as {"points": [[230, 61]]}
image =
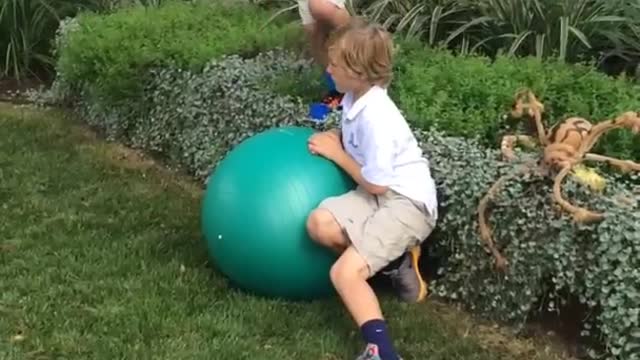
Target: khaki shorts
{"points": [[305, 13], [380, 228]]}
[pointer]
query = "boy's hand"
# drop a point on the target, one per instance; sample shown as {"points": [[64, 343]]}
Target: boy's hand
{"points": [[327, 144]]}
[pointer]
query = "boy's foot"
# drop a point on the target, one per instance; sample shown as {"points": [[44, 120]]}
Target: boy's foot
{"points": [[406, 278], [371, 353]]}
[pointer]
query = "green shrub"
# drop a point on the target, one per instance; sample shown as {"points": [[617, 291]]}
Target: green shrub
{"points": [[468, 96], [113, 54], [551, 258], [192, 118], [464, 96], [200, 116], [26, 30]]}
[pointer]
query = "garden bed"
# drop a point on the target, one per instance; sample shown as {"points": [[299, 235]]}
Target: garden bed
{"points": [[12, 90]]}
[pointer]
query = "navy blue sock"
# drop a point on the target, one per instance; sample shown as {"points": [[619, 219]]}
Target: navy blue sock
{"points": [[375, 332]]}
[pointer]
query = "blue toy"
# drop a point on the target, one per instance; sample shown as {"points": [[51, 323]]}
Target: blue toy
{"points": [[319, 111]]}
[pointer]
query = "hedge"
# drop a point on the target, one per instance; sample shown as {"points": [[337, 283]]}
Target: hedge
{"points": [[115, 52], [468, 96], [193, 116]]}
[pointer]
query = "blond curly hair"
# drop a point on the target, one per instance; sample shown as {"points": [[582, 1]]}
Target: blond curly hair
{"points": [[365, 49]]}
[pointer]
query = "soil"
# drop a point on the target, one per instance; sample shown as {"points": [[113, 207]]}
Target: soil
{"points": [[564, 327], [14, 91]]}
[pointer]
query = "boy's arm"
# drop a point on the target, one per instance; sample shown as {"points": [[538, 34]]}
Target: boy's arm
{"points": [[349, 165], [376, 172]]}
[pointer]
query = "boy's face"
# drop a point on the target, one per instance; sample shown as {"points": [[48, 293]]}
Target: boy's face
{"points": [[344, 79]]}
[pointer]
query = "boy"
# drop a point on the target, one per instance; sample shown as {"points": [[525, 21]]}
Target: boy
{"points": [[319, 18], [380, 225]]}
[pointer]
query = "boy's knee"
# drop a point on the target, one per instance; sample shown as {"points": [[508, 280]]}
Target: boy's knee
{"points": [[350, 267], [321, 226], [343, 275], [340, 275]]}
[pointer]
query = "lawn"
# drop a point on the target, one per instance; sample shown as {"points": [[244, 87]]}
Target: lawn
{"points": [[101, 258]]}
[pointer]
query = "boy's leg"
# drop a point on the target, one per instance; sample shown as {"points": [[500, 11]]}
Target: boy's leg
{"points": [[336, 223], [405, 276], [323, 226], [319, 18], [402, 268], [349, 276], [329, 225], [331, 14], [328, 16], [312, 30], [404, 271], [397, 225]]}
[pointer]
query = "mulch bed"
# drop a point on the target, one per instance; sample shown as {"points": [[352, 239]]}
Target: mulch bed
{"points": [[14, 91]]}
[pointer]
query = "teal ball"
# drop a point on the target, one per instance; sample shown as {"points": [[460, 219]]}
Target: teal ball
{"points": [[255, 209]]}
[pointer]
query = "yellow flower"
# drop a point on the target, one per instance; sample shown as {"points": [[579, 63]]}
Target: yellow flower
{"points": [[589, 177]]}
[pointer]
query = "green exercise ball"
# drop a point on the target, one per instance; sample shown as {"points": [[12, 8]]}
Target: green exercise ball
{"points": [[254, 215]]}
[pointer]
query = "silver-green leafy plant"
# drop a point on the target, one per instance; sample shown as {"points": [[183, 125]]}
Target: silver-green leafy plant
{"points": [[551, 258]]}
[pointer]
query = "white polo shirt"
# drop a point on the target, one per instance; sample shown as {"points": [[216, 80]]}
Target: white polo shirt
{"points": [[377, 136]]}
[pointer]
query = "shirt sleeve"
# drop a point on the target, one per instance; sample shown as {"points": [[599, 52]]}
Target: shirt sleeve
{"points": [[379, 151]]}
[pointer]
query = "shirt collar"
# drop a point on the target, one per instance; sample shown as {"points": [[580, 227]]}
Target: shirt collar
{"points": [[353, 109]]}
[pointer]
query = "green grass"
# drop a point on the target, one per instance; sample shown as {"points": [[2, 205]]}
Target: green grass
{"points": [[101, 258]]}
